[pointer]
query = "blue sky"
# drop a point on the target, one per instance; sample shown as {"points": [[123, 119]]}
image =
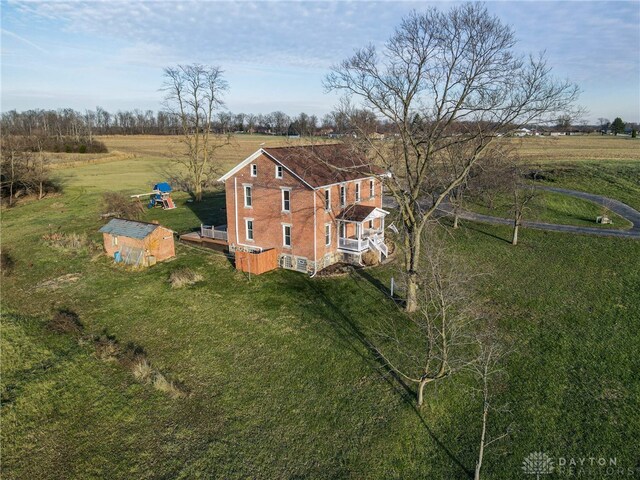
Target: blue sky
{"points": [[275, 54]]}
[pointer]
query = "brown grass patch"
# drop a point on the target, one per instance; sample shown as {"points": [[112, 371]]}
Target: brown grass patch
{"points": [[6, 263], [184, 276], [68, 242], [60, 281], [66, 321]]}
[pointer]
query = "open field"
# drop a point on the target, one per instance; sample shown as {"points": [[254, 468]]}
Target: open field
{"points": [[282, 383]]}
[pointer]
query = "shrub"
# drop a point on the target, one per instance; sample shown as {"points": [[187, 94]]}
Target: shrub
{"points": [[66, 321], [82, 149], [6, 263], [115, 204], [184, 276], [370, 258]]}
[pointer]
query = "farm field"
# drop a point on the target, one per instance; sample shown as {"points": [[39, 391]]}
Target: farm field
{"points": [[281, 382]]}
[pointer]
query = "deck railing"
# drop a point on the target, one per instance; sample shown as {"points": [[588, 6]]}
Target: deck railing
{"points": [[353, 244], [211, 231]]}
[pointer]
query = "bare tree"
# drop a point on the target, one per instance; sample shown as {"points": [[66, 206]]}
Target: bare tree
{"points": [[436, 343], [456, 70], [488, 371], [194, 94], [523, 193]]}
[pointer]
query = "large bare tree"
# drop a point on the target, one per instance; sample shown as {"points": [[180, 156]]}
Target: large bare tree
{"points": [[194, 94], [444, 78]]}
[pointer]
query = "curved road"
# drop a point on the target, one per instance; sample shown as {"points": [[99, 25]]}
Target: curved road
{"points": [[616, 206]]}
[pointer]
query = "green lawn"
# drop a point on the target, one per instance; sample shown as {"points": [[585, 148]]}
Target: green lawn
{"points": [[283, 384], [551, 207]]}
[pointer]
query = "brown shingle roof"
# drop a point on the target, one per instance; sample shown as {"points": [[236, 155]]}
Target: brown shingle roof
{"points": [[320, 165], [355, 213]]}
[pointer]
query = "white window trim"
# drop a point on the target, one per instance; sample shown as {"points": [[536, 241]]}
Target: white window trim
{"points": [[325, 234], [327, 199], [254, 166], [246, 229], [282, 189], [280, 170], [244, 192], [284, 226], [343, 198], [358, 192], [114, 241]]}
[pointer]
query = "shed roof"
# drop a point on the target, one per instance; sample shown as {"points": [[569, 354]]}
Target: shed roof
{"points": [[129, 228]]}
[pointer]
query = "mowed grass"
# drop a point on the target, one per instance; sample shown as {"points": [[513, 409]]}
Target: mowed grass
{"points": [[551, 207], [282, 382]]}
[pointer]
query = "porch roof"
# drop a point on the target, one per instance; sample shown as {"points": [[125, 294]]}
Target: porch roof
{"points": [[361, 213]]}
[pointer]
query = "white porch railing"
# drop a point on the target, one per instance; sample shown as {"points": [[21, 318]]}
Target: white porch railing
{"points": [[353, 244], [211, 231]]}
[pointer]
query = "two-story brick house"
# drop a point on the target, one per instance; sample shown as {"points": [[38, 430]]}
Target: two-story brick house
{"points": [[315, 205]]}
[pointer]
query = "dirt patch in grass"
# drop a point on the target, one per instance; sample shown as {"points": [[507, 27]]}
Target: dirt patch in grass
{"points": [[60, 281]]}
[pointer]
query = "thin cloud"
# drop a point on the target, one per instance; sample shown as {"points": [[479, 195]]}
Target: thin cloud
{"points": [[23, 40]]}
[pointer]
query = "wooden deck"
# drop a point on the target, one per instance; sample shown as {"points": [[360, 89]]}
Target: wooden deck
{"points": [[197, 239]]}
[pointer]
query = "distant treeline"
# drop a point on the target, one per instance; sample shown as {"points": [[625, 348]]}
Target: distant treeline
{"points": [[69, 123]]}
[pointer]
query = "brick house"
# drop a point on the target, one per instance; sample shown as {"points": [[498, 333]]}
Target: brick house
{"points": [[314, 205], [137, 243]]}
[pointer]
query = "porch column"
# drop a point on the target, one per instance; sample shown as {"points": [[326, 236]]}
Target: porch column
{"points": [[359, 229], [382, 225]]}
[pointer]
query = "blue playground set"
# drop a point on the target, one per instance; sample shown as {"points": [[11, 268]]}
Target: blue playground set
{"points": [[160, 197]]}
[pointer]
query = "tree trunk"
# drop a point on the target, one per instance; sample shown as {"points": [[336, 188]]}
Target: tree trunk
{"points": [[514, 239], [455, 220], [483, 436], [421, 386], [412, 267], [197, 192]]}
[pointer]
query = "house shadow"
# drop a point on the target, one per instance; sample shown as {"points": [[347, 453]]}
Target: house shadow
{"points": [[211, 210], [354, 336]]}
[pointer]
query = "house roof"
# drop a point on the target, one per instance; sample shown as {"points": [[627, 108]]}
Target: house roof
{"points": [[129, 228], [317, 165], [361, 213]]}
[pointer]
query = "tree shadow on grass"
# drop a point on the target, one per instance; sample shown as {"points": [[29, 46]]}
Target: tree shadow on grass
{"points": [[351, 333]]}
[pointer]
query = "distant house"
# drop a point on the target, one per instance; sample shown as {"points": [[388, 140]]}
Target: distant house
{"points": [[314, 206], [522, 132], [137, 243]]}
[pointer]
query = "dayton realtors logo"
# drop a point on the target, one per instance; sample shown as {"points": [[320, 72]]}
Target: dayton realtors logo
{"points": [[537, 463]]}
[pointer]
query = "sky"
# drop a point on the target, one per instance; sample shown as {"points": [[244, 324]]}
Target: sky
{"points": [[275, 54]]}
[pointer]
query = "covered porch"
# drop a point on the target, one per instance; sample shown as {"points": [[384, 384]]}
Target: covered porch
{"points": [[360, 228]]}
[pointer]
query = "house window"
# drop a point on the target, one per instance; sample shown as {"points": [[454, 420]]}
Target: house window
{"points": [[327, 200], [254, 170], [286, 200], [248, 200], [286, 235], [327, 234], [372, 192], [343, 195], [250, 229], [370, 224], [357, 192], [278, 171], [114, 241]]}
